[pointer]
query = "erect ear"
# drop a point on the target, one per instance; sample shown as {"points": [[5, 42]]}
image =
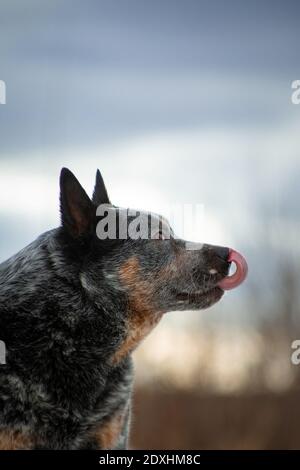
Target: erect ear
{"points": [[77, 210], [100, 195]]}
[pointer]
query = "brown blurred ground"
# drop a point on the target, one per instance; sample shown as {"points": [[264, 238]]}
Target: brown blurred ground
{"points": [[185, 420]]}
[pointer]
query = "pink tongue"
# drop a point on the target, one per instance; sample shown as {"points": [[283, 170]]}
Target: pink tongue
{"points": [[230, 282]]}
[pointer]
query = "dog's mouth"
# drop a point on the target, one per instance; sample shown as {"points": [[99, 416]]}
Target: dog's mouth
{"points": [[200, 299], [197, 295], [206, 297]]}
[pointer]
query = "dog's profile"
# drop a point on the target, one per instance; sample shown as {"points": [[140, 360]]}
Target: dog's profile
{"points": [[73, 307]]}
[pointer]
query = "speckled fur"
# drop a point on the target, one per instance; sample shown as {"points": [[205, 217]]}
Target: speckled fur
{"points": [[72, 309]]}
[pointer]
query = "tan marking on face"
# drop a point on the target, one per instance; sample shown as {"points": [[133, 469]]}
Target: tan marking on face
{"points": [[15, 440], [107, 434], [143, 316]]}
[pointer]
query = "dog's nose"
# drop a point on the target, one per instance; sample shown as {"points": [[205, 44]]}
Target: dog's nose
{"points": [[222, 252]]}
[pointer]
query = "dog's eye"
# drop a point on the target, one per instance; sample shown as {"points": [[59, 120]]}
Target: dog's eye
{"points": [[161, 235]]}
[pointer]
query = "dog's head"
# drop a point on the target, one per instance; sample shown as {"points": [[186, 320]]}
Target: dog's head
{"points": [[135, 264]]}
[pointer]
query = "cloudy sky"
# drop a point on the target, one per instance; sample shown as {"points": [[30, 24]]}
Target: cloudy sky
{"points": [[175, 101]]}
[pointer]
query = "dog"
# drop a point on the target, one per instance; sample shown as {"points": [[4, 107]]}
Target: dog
{"points": [[73, 307]]}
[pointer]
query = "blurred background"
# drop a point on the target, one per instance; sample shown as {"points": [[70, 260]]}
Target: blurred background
{"points": [[177, 102]]}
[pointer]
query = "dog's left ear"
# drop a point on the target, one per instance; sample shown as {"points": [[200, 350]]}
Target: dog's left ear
{"points": [[100, 195], [77, 210]]}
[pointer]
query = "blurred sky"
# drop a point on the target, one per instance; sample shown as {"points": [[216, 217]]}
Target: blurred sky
{"points": [[175, 101]]}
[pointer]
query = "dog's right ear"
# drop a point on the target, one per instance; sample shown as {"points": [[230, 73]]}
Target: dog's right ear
{"points": [[77, 210], [100, 195]]}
